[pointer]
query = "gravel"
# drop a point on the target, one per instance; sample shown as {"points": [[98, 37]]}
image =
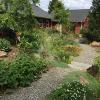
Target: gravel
{"points": [[87, 55]]}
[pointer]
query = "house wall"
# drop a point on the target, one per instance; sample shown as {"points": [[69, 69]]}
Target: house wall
{"points": [[57, 26], [80, 25], [44, 23], [86, 23], [47, 23], [77, 27]]}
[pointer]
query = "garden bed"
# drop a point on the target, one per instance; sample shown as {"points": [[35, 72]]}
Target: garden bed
{"points": [[72, 84]]}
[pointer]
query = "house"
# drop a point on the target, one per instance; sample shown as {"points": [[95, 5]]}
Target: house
{"points": [[44, 19], [79, 18]]}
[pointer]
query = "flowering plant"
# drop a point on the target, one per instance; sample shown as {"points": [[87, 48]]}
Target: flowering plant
{"points": [[73, 91]]}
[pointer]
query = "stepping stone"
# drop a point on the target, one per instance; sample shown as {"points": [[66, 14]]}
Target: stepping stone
{"points": [[79, 66]]}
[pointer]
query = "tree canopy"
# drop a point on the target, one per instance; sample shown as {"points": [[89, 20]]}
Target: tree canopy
{"points": [[94, 23], [16, 14], [52, 5], [60, 12], [95, 16]]}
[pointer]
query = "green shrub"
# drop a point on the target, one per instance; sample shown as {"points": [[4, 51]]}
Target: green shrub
{"points": [[73, 91], [30, 41], [3, 74], [57, 41], [5, 45], [21, 71], [91, 35]]}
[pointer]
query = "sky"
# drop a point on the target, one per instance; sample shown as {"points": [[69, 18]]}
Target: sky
{"points": [[70, 4]]}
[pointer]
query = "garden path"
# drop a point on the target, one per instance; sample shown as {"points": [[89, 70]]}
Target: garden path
{"points": [[87, 54], [40, 88], [50, 80], [85, 59]]}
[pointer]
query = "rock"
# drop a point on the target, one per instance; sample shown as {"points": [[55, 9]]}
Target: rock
{"points": [[95, 44], [83, 80], [3, 54]]}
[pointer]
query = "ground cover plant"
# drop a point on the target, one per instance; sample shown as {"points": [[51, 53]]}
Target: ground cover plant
{"points": [[58, 64], [74, 88]]}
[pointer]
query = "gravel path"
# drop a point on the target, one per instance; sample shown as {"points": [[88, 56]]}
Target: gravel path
{"points": [[87, 54], [39, 89], [50, 80], [85, 59]]}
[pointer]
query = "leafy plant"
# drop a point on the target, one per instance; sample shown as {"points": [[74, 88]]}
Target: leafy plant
{"points": [[5, 45], [21, 71], [73, 91], [3, 74], [30, 41], [17, 15], [60, 13], [71, 84]]}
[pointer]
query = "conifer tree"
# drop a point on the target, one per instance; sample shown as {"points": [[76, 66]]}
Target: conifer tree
{"points": [[94, 23]]}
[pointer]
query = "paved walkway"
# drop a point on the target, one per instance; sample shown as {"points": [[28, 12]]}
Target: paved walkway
{"points": [[50, 80]]}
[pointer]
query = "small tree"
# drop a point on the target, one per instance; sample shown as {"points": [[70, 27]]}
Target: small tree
{"points": [[60, 13], [52, 5]]}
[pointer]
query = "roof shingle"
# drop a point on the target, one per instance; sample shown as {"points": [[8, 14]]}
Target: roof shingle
{"points": [[78, 15], [38, 12]]}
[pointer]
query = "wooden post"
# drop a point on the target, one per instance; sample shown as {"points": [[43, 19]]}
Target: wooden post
{"points": [[60, 28]]}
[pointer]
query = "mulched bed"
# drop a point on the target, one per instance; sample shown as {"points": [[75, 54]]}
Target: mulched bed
{"points": [[11, 54]]}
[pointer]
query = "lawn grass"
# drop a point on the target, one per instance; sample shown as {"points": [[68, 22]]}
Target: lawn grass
{"points": [[59, 64], [75, 76]]}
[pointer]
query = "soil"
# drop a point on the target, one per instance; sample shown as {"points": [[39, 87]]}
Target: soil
{"points": [[11, 54]]}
